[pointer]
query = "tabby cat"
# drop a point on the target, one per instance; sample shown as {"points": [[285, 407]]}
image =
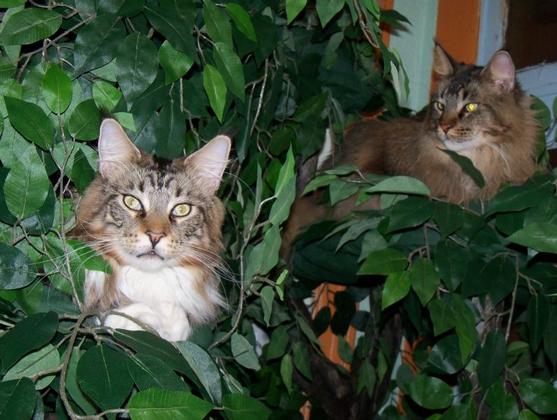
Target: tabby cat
{"points": [[480, 113], [158, 224]]}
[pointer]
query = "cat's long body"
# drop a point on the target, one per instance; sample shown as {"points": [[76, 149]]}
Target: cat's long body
{"points": [[479, 113], [158, 224]]}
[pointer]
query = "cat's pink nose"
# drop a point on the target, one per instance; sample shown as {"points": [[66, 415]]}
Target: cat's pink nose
{"points": [[155, 237]]}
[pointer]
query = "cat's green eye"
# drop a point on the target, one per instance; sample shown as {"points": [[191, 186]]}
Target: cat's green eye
{"points": [[471, 107], [439, 106], [181, 210], [132, 203]]}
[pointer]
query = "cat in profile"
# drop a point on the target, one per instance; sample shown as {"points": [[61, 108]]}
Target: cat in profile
{"points": [[478, 112], [158, 224]]}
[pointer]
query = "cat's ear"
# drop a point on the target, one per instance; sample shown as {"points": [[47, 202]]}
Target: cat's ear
{"points": [[116, 150], [210, 161], [443, 64], [500, 70]]}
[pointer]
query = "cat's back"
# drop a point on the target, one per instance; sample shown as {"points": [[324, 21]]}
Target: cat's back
{"points": [[376, 146]]}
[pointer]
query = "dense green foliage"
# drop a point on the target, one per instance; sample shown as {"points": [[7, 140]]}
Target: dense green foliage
{"points": [[471, 289]]}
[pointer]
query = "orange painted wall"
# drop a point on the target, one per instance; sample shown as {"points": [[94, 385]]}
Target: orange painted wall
{"points": [[458, 28]]}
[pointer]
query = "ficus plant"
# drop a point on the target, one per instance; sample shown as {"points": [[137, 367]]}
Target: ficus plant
{"points": [[453, 306]]}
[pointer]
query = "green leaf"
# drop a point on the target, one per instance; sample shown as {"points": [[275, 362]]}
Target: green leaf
{"points": [[217, 23], [453, 263], [204, 368], [12, 3], [285, 191], [265, 255], [17, 342], [175, 63], [243, 352], [31, 121], [409, 213], [15, 268], [543, 114], [467, 166], [527, 415], [400, 185], [465, 326], [82, 173], [366, 378], [424, 279], [105, 95], [242, 20], [161, 404], [57, 89], [278, 343], [244, 407], [267, 299], [126, 120], [293, 8], [540, 396], [492, 359], [17, 399], [449, 217], [327, 9], [136, 65], [286, 370], [301, 360], [102, 374], [85, 121], [29, 26], [97, 43], [215, 87], [231, 68], [430, 392], [340, 189], [170, 131], [26, 187], [72, 386], [537, 235], [174, 19], [538, 318], [147, 343], [517, 198], [396, 288], [441, 316], [384, 261], [445, 355], [151, 372], [318, 182], [38, 361]]}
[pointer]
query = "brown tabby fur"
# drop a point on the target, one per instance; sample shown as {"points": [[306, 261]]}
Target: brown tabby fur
{"points": [[164, 265], [504, 125]]}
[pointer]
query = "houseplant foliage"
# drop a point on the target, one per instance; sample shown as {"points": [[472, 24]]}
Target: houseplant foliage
{"points": [[471, 290]]}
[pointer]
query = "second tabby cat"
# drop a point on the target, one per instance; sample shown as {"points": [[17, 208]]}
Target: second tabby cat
{"points": [[480, 113]]}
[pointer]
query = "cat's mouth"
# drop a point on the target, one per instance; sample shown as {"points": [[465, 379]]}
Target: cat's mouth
{"points": [[151, 254]]}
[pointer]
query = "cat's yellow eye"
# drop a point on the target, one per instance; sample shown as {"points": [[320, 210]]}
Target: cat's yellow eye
{"points": [[132, 203], [181, 210], [439, 106], [471, 107]]}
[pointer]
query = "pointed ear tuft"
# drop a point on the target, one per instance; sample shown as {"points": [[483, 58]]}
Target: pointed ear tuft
{"points": [[443, 64], [115, 148], [210, 161], [500, 70]]}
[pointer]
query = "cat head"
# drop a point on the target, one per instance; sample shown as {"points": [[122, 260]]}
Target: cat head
{"points": [[152, 213], [472, 104]]}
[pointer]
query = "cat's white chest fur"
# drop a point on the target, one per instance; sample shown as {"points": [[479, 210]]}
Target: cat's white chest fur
{"points": [[166, 300]]}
